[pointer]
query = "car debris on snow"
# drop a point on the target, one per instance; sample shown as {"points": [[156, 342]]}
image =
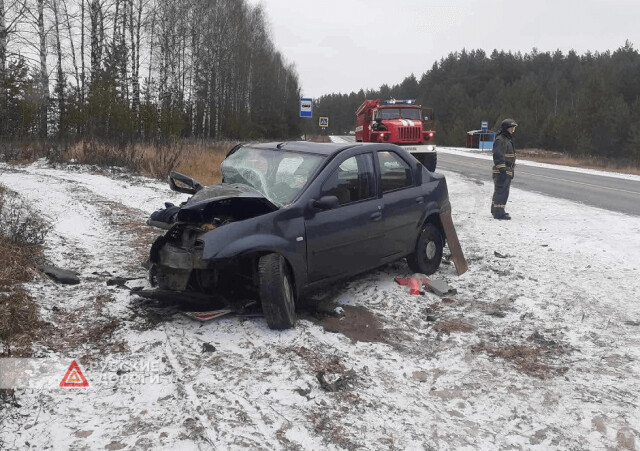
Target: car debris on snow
{"points": [[207, 316], [63, 276], [207, 347], [338, 384], [440, 287], [120, 282]]}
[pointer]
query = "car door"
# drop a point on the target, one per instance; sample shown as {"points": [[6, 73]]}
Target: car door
{"points": [[402, 203], [343, 241]]}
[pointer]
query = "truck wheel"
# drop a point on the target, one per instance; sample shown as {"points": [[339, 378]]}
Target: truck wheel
{"points": [[276, 292], [430, 162], [428, 254]]}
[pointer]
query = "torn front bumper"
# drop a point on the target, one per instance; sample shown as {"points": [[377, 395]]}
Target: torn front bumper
{"points": [[172, 264]]}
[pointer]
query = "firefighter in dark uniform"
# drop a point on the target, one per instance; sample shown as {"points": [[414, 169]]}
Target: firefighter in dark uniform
{"points": [[504, 161]]}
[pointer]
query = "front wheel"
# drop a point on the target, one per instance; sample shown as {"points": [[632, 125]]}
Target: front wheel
{"points": [[428, 253], [276, 292]]}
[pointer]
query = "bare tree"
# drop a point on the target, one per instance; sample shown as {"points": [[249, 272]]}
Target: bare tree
{"points": [[7, 27], [72, 45], [96, 18], [61, 81], [44, 74]]}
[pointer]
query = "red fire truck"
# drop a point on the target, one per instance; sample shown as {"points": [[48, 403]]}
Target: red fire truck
{"points": [[399, 122]]}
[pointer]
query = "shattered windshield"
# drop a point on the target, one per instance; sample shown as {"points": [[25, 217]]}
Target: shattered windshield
{"points": [[277, 175]]}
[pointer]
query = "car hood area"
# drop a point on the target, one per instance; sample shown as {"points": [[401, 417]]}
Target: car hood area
{"points": [[217, 205], [224, 201]]}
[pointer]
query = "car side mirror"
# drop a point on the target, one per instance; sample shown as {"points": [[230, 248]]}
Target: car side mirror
{"points": [[183, 183], [326, 203], [419, 169]]}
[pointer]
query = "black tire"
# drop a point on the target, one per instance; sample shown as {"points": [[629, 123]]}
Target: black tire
{"points": [[428, 254], [276, 292]]}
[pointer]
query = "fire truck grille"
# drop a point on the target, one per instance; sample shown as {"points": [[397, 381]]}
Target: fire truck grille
{"points": [[410, 134]]}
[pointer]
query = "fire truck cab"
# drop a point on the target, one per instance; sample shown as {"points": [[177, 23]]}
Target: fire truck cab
{"points": [[400, 122]]}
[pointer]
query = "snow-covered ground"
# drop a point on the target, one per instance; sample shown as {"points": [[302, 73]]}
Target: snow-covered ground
{"points": [[539, 348]]}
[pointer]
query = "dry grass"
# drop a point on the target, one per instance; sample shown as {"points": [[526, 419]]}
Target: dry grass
{"points": [[19, 318], [200, 160], [19, 322], [203, 161], [530, 359], [450, 326], [316, 361], [18, 222], [16, 263], [545, 156], [17, 152], [526, 358]]}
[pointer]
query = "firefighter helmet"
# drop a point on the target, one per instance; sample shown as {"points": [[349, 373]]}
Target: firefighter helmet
{"points": [[508, 123]]}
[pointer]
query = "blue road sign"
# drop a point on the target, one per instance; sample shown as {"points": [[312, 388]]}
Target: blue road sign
{"points": [[306, 107]]}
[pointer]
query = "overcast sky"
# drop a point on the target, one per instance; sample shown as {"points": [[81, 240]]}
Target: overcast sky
{"points": [[345, 45]]}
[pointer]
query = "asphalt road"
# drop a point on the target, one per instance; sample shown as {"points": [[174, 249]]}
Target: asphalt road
{"points": [[610, 193]]}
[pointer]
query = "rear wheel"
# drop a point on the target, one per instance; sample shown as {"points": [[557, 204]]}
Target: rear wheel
{"points": [[428, 253], [276, 292]]}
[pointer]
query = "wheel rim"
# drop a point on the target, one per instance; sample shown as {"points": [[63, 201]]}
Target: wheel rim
{"points": [[430, 250], [288, 293]]}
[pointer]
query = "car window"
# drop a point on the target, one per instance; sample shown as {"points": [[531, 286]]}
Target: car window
{"points": [[395, 173], [352, 181]]}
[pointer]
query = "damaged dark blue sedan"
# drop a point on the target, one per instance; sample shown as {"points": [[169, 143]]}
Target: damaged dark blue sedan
{"points": [[290, 217]]}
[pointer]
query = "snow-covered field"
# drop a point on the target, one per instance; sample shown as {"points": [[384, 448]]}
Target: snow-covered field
{"points": [[539, 348]]}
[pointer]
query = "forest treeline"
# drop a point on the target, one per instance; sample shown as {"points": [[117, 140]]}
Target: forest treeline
{"points": [[579, 104], [133, 70]]}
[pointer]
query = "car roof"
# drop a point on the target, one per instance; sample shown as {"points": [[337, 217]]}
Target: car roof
{"points": [[325, 149]]}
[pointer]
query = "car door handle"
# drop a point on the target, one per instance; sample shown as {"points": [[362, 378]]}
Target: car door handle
{"points": [[419, 200], [377, 216]]}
